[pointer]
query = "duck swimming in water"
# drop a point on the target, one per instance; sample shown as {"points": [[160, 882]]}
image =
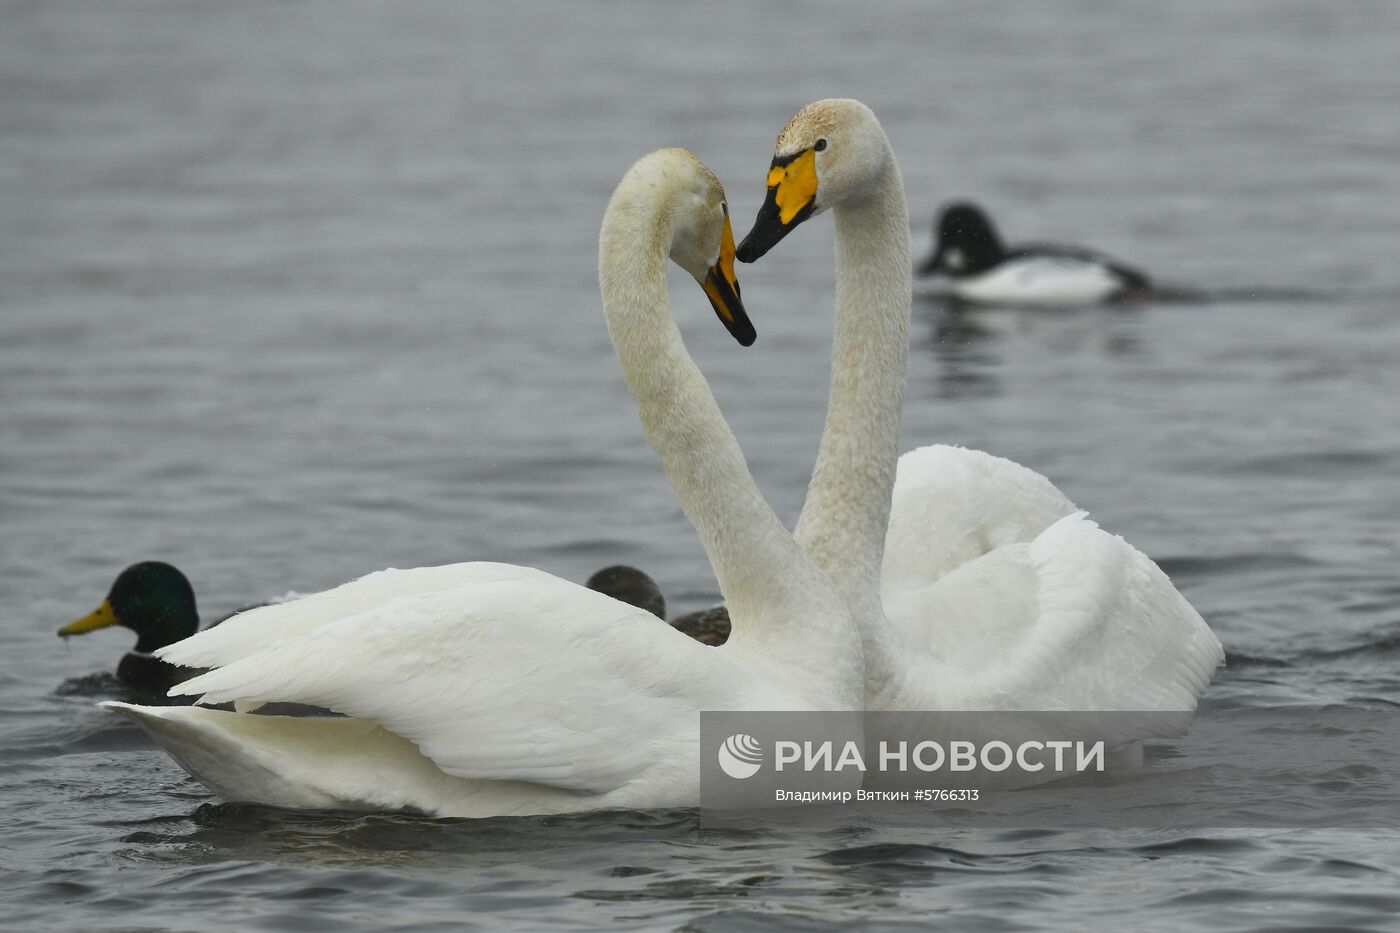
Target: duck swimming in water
{"points": [[979, 267]]}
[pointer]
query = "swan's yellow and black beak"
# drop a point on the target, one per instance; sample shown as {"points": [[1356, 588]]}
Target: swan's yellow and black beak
{"points": [[722, 288], [101, 617], [792, 196]]}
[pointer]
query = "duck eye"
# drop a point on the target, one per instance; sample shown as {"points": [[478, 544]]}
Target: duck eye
{"points": [[821, 144]]}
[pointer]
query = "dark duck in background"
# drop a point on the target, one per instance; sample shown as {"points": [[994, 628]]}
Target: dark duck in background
{"points": [[708, 626], [975, 265]]}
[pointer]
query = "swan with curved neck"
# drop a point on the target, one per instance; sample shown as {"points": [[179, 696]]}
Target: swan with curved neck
{"points": [[486, 689], [975, 582]]}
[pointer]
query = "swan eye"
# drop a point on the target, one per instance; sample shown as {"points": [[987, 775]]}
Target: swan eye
{"points": [[724, 208], [821, 144]]}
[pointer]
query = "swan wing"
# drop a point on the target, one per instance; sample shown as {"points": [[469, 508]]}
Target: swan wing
{"points": [[1076, 619], [537, 680], [951, 505], [256, 629]]}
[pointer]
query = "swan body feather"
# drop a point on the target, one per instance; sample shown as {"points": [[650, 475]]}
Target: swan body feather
{"points": [[416, 663]]}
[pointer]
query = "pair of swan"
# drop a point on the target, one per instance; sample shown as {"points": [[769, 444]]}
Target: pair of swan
{"points": [[484, 689], [959, 582]]}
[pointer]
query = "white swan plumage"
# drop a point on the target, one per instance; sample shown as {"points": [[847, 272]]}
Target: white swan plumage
{"points": [[977, 585], [483, 689]]}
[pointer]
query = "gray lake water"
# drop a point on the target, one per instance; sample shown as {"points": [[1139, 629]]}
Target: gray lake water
{"points": [[294, 291]]}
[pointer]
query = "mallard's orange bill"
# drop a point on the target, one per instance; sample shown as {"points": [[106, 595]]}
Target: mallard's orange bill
{"points": [[101, 617]]}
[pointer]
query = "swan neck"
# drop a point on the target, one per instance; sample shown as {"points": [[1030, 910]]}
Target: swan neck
{"points": [[846, 515], [767, 582], [844, 519]]}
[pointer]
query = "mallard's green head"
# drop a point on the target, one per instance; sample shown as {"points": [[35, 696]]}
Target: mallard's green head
{"points": [[151, 598]]}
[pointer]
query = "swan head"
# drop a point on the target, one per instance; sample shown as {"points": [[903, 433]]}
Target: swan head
{"points": [[686, 197], [830, 152]]}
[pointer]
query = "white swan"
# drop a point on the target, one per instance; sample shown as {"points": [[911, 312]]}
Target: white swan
{"points": [[976, 583], [483, 689]]}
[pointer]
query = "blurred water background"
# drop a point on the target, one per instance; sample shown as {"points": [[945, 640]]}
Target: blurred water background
{"points": [[294, 291]]}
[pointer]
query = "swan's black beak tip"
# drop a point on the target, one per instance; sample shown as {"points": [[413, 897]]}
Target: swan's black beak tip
{"points": [[741, 329], [748, 251], [736, 321], [723, 292], [767, 231], [769, 228]]}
